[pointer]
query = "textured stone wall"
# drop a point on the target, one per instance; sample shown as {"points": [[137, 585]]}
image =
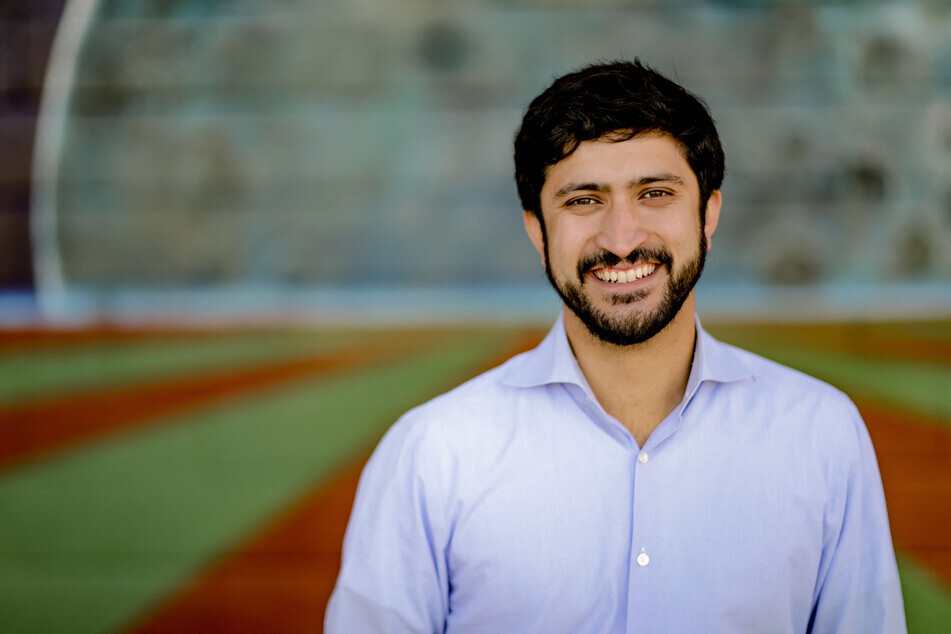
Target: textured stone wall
{"points": [[369, 142]]}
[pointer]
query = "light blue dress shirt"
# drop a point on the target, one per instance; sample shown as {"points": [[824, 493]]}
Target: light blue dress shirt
{"points": [[515, 503]]}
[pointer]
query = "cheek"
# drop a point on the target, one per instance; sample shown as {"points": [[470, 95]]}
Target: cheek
{"points": [[682, 230], [571, 236], [563, 252]]}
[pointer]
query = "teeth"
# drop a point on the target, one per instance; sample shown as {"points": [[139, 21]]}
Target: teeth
{"points": [[623, 277]]}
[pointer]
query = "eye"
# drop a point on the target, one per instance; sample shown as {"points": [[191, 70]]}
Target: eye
{"points": [[582, 201], [655, 194]]}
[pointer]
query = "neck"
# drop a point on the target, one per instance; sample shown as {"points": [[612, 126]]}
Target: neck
{"points": [[639, 385]]}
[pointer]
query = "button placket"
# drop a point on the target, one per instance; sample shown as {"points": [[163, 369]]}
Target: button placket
{"points": [[642, 559]]}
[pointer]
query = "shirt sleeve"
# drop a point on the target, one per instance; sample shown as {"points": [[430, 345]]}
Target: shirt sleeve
{"points": [[393, 575], [859, 589]]}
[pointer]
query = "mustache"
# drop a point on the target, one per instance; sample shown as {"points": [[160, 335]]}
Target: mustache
{"points": [[606, 259]]}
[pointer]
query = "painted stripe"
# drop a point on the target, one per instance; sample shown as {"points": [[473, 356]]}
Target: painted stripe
{"points": [[32, 373], [928, 342], [281, 579], [919, 387], [34, 430], [94, 537], [914, 456], [927, 603]]}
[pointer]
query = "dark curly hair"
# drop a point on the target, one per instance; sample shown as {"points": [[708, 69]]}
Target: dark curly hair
{"points": [[618, 101]]}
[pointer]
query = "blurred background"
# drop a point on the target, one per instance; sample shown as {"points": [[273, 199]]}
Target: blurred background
{"points": [[238, 238]]}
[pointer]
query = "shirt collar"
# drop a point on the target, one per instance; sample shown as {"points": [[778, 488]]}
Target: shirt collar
{"points": [[551, 362], [554, 362], [713, 361]]}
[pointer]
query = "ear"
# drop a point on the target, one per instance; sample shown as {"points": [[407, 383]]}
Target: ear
{"points": [[712, 215], [533, 227]]}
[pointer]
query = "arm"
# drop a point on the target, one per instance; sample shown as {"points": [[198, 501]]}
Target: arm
{"points": [[858, 588], [393, 576]]}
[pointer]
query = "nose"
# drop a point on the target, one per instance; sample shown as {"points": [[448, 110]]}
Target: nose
{"points": [[621, 229]]}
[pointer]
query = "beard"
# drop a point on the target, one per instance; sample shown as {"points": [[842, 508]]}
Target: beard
{"points": [[628, 330]]}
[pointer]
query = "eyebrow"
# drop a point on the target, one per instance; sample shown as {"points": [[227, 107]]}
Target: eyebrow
{"points": [[603, 188]]}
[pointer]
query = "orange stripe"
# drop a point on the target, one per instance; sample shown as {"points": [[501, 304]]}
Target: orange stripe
{"points": [[914, 455], [281, 579], [35, 429], [862, 340]]}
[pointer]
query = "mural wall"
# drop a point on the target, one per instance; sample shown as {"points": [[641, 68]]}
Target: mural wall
{"points": [[325, 144]]}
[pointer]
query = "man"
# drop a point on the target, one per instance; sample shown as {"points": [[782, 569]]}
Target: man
{"points": [[631, 474]]}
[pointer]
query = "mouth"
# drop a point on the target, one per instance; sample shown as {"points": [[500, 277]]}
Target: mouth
{"points": [[624, 276]]}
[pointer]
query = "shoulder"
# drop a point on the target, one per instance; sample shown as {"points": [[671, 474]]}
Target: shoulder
{"points": [[793, 399], [477, 396], [775, 378], [475, 417], [798, 423]]}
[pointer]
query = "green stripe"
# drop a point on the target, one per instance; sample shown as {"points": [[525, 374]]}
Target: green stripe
{"points": [[927, 602], [90, 540], [28, 374], [918, 387]]}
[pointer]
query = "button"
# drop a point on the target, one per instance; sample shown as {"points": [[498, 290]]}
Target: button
{"points": [[643, 458], [643, 559]]}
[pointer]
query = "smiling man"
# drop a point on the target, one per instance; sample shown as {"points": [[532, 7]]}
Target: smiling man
{"points": [[631, 474]]}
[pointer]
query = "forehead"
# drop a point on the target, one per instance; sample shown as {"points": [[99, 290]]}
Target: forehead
{"points": [[606, 161]]}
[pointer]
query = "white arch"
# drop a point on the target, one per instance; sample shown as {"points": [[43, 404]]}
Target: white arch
{"points": [[50, 127]]}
